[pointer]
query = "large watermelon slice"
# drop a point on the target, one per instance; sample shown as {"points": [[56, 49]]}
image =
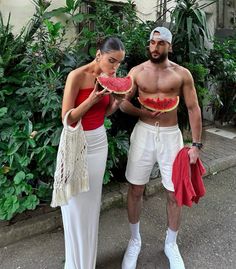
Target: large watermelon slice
{"points": [[157, 104], [116, 85]]}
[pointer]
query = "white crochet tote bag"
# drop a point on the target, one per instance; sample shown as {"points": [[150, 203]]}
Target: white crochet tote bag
{"points": [[71, 174]]}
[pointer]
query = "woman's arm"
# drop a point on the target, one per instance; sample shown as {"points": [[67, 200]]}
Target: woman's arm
{"points": [[114, 104], [70, 93]]}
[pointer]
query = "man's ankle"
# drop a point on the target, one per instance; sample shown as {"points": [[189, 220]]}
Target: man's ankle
{"points": [[171, 236], [135, 233]]}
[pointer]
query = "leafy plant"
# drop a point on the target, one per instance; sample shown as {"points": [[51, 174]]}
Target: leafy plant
{"points": [[190, 31], [190, 47], [32, 77], [222, 66], [118, 146], [33, 68]]}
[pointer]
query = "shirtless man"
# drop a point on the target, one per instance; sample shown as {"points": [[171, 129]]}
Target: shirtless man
{"points": [[156, 137]]}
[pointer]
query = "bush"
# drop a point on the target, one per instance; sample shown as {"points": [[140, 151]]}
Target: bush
{"points": [[222, 66], [190, 40], [190, 31], [33, 69]]}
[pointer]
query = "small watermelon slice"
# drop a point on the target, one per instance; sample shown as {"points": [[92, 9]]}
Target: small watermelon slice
{"points": [[116, 85], [157, 104]]}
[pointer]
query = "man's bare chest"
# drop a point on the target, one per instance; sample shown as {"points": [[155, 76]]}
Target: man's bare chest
{"points": [[160, 83]]}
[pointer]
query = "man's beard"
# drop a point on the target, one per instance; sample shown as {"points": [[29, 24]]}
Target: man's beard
{"points": [[158, 60]]}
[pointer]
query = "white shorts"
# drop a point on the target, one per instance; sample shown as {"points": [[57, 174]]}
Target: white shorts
{"points": [[150, 144]]}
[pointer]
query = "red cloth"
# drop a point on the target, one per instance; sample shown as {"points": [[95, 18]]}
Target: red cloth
{"points": [[94, 117], [187, 179]]}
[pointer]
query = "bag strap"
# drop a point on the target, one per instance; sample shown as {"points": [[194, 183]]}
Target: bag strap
{"points": [[65, 124]]}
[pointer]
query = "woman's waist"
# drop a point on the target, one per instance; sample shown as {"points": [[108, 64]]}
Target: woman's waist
{"points": [[92, 123], [96, 139]]}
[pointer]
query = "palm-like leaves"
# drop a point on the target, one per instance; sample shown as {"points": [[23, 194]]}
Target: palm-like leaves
{"points": [[190, 32]]}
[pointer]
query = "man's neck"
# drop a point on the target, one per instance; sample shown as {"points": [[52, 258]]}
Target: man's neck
{"points": [[163, 65]]}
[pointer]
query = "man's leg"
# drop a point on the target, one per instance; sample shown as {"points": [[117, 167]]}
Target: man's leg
{"points": [[173, 221], [173, 212], [135, 194]]}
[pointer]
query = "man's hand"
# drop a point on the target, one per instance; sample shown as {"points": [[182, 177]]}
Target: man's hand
{"points": [[193, 154], [150, 114], [118, 97]]}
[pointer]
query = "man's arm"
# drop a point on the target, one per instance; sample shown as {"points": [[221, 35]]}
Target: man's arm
{"points": [[126, 106], [194, 112], [114, 104]]}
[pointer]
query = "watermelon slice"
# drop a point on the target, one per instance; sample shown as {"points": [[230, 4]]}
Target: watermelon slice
{"points": [[116, 85], [157, 104]]}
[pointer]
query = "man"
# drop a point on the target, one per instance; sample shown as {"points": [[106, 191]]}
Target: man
{"points": [[156, 137]]}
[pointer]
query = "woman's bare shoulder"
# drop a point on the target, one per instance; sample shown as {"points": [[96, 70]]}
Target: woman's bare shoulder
{"points": [[77, 74]]}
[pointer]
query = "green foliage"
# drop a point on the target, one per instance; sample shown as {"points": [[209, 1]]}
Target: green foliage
{"points": [[190, 47], [222, 66], [33, 69], [125, 24], [16, 195], [190, 31], [117, 150]]}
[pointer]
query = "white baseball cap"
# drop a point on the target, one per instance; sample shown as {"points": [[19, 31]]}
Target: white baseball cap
{"points": [[164, 34]]}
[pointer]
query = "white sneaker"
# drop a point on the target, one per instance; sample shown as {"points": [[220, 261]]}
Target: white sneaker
{"points": [[131, 254], [172, 252]]}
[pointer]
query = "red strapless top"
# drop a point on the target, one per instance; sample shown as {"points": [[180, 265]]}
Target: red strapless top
{"points": [[94, 117]]}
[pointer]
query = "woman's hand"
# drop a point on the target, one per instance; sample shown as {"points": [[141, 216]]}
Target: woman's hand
{"points": [[96, 95]]}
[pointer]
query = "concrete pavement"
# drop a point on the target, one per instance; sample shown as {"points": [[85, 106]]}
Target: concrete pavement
{"points": [[207, 238]]}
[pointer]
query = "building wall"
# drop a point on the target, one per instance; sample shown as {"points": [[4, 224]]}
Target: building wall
{"points": [[211, 13], [146, 10], [22, 10], [227, 14]]}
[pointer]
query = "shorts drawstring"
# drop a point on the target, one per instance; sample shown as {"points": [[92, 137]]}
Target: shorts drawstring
{"points": [[157, 131]]}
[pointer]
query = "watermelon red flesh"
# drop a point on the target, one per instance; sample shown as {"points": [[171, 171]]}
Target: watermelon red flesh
{"points": [[157, 104], [116, 85]]}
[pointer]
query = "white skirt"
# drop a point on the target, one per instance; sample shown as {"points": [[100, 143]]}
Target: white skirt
{"points": [[81, 215]]}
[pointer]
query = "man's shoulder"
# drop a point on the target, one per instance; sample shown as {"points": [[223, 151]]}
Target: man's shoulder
{"points": [[138, 68], [180, 69]]}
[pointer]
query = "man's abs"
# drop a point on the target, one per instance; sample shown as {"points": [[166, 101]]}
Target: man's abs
{"points": [[164, 119]]}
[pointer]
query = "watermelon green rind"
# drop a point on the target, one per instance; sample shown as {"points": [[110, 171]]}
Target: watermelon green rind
{"points": [[157, 104], [116, 85]]}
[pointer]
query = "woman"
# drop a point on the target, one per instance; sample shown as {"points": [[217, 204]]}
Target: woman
{"points": [[81, 214]]}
